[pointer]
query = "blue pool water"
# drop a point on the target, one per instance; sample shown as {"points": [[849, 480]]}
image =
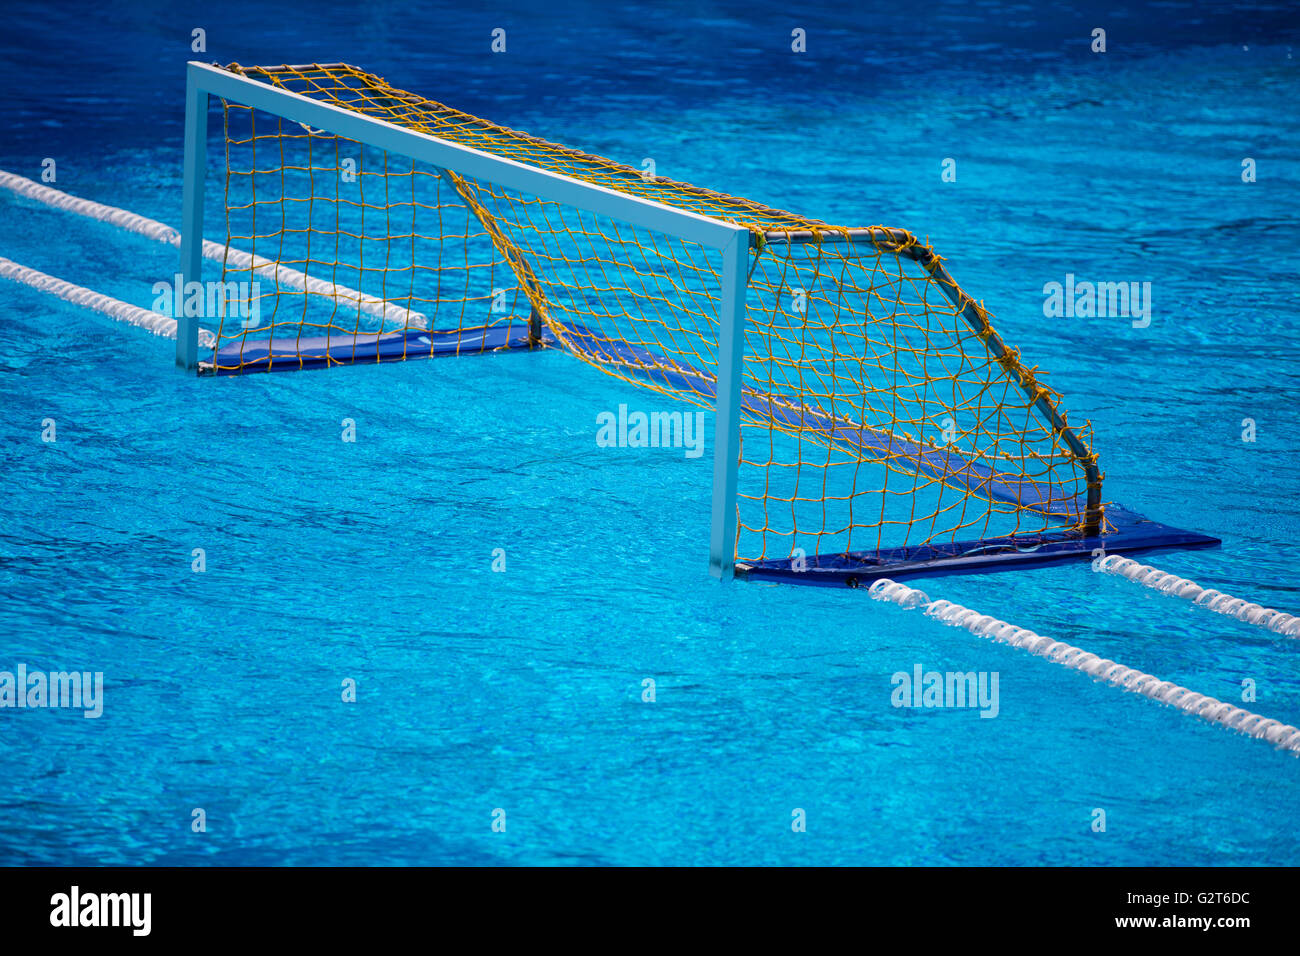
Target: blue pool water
{"points": [[522, 690]]}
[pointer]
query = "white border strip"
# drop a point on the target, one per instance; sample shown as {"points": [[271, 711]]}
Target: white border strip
{"points": [[1276, 621], [155, 322], [1283, 736]]}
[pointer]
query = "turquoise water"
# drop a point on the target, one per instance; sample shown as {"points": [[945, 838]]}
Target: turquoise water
{"points": [[521, 690]]}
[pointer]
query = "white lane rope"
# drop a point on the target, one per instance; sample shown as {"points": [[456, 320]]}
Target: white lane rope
{"points": [[155, 322], [1276, 621], [1283, 736], [161, 232]]}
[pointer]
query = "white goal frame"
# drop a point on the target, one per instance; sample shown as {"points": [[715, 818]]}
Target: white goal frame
{"points": [[204, 80]]}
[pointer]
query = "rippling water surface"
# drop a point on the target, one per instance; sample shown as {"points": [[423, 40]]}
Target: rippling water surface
{"points": [[522, 690]]}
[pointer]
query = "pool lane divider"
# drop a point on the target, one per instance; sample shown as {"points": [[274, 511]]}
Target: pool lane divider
{"points": [[228, 255], [1280, 735], [155, 322], [1279, 622]]}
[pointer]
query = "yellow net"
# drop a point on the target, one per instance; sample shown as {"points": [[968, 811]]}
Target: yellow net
{"points": [[882, 415]]}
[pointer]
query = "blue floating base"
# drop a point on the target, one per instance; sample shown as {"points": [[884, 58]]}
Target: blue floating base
{"points": [[290, 353], [1132, 533]]}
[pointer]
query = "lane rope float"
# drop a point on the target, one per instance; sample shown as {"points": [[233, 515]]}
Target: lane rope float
{"points": [[155, 322], [1279, 622], [1282, 736], [236, 258]]}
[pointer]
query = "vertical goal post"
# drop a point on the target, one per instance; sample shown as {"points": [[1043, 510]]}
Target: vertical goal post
{"points": [[731, 240]]}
